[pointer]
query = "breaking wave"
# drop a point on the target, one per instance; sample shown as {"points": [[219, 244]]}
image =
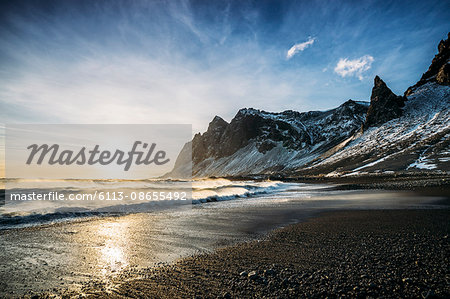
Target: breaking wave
{"points": [[30, 213]]}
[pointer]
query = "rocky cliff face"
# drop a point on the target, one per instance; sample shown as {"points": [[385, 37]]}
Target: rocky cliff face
{"points": [[384, 105], [439, 70], [409, 134], [201, 144], [287, 139]]}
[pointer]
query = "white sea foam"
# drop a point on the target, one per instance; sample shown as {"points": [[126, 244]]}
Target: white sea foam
{"points": [[34, 212]]}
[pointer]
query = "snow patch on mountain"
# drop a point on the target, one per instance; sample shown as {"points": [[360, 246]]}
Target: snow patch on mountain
{"points": [[278, 143], [425, 123]]}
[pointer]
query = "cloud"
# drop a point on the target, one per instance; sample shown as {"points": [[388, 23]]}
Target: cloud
{"points": [[109, 88], [355, 67], [299, 47]]}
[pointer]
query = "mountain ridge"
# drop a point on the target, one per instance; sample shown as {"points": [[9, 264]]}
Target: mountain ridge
{"points": [[391, 133]]}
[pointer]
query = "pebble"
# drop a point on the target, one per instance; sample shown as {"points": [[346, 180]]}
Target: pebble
{"points": [[407, 280], [253, 275]]}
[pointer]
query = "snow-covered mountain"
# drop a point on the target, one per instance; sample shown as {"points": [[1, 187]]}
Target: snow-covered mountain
{"points": [[262, 142], [393, 133], [417, 140]]}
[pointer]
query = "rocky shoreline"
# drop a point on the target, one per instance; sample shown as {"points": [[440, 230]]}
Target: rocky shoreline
{"points": [[430, 184], [357, 254]]}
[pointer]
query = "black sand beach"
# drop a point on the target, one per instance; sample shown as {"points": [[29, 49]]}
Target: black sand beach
{"points": [[362, 243], [383, 253]]}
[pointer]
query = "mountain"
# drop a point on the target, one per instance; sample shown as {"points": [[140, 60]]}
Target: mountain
{"points": [[392, 133], [409, 133], [384, 105], [262, 142], [419, 140], [439, 70]]}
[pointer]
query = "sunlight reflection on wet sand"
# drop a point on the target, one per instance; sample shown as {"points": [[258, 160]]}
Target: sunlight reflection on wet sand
{"points": [[102, 249], [112, 257]]}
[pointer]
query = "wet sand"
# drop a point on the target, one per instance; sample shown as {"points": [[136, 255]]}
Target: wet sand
{"points": [[97, 255], [387, 253]]}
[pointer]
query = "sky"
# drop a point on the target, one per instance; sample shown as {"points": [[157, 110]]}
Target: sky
{"points": [[183, 62]]}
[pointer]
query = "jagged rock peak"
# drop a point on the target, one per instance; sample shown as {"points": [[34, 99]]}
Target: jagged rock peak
{"points": [[217, 123], [439, 70], [384, 105], [377, 83], [248, 111], [217, 119], [351, 103]]}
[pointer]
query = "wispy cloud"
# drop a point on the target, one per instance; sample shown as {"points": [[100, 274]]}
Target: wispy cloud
{"points": [[122, 66], [299, 47], [355, 67]]}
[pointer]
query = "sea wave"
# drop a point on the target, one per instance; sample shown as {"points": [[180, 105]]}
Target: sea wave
{"points": [[31, 213]]}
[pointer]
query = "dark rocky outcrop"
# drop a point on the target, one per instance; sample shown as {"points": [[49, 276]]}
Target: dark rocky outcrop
{"points": [[443, 76], [309, 131], [384, 105], [201, 144], [293, 129], [439, 70]]}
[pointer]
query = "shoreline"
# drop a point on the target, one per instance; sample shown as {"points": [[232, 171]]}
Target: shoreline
{"points": [[392, 253], [417, 179], [226, 229], [422, 184], [425, 183]]}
